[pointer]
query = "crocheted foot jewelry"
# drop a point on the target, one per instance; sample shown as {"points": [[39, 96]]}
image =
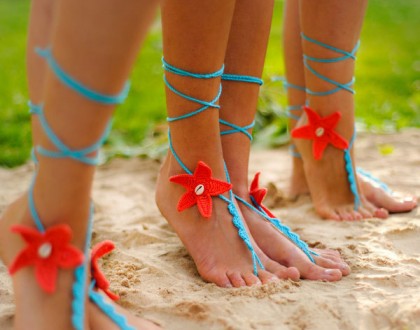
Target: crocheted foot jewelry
{"points": [[321, 130], [49, 249], [256, 193], [99, 282], [201, 187], [47, 252]]}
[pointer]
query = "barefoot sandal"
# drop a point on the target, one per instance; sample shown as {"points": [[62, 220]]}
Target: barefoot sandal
{"points": [[257, 194], [200, 185], [49, 249], [321, 130]]}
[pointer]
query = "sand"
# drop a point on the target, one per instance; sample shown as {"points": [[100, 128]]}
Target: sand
{"points": [[157, 279]]}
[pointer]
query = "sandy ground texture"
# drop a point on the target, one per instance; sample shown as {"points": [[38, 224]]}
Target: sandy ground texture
{"points": [[157, 279]]}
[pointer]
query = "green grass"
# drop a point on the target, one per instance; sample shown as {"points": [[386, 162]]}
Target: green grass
{"points": [[388, 82]]}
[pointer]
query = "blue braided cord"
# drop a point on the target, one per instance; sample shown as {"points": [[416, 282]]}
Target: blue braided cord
{"points": [[368, 175], [80, 155], [296, 107], [180, 162], [285, 230], [242, 78], [34, 109], [293, 151], [32, 208], [347, 55], [334, 49], [34, 157], [108, 309], [170, 68], [79, 285], [236, 219], [287, 85], [237, 129], [291, 108], [205, 104], [78, 87], [350, 173]]}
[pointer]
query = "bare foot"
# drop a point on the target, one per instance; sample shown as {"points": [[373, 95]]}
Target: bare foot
{"points": [[329, 266], [31, 301], [99, 321], [394, 202], [374, 195], [220, 255], [35, 309], [326, 176]]}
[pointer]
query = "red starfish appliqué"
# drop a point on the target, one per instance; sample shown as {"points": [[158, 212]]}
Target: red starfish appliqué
{"points": [[98, 251], [321, 130], [200, 188], [258, 194], [48, 252]]}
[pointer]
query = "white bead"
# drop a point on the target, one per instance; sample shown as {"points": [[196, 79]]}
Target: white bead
{"points": [[199, 190], [44, 251], [319, 131]]}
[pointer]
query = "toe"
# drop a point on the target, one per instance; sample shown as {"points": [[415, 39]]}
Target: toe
{"points": [[236, 279], [266, 277], [217, 277], [366, 214], [381, 213], [281, 271], [345, 215], [250, 279], [326, 212], [356, 215], [315, 272], [395, 202], [333, 264]]}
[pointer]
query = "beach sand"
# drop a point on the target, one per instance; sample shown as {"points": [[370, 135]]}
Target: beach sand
{"points": [[156, 278]]}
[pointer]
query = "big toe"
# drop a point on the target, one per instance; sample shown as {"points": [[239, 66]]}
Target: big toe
{"points": [[395, 202]]}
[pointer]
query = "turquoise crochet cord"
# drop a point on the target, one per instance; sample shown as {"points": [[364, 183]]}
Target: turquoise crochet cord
{"points": [[254, 206], [79, 155], [236, 218], [343, 55]]}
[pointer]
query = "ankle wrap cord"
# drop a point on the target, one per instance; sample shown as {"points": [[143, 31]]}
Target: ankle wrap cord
{"points": [[236, 128], [236, 219], [285, 230], [80, 155], [343, 55]]}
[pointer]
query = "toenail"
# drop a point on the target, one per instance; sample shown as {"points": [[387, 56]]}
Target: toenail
{"points": [[44, 251], [199, 190], [319, 131], [344, 266], [329, 271], [228, 286]]}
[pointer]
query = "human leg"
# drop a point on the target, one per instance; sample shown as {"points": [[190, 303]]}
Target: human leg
{"points": [[238, 107], [328, 80], [194, 53], [295, 87], [61, 191]]}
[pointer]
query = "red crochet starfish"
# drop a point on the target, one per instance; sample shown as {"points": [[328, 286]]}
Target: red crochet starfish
{"points": [[98, 251], [258, 194], [321, 130], [48, 252], [200, 187]]}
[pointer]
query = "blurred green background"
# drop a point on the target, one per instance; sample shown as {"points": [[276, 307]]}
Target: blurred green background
{"points": [[388, 84]]}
